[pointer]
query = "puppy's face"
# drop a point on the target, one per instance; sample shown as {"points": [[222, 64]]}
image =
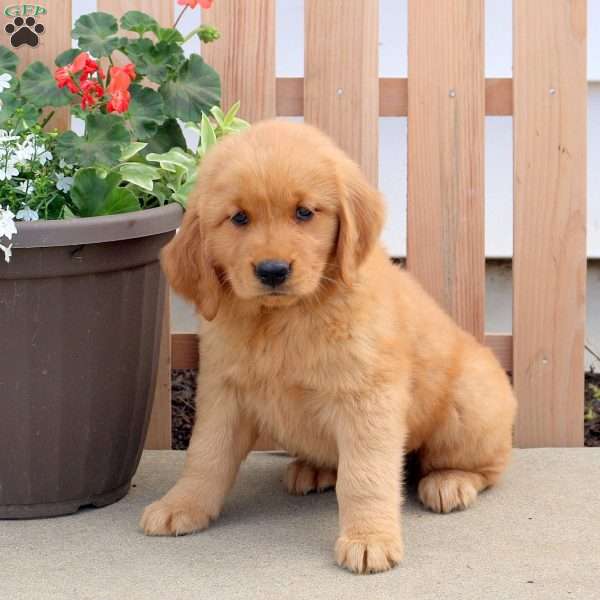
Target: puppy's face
{"points": [[271, 226], [279, 213]]}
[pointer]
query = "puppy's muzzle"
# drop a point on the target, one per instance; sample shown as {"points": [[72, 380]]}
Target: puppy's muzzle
{"points": [[273, 272]]}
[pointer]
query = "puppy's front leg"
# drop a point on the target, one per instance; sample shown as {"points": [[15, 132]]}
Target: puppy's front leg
{"points": [[222, 437], [370, 445]]}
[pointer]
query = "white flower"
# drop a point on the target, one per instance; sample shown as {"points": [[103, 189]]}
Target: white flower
{"points": [[8, 172], [7, 252], [7, 223], [27, 214], [24, 152], [5, 80], [64, 165], [6, 136], [64, 183], [26, 187], [44, 157]]}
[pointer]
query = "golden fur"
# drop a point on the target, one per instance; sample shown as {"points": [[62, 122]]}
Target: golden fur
{"points": [[349, 368]]}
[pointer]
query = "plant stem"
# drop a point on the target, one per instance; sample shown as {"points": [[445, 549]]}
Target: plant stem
{"points": [[191, 34], [47, 119], [179, 17]]}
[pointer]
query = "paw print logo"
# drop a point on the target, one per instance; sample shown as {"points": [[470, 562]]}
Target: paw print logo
{"points": [[24, 31]]}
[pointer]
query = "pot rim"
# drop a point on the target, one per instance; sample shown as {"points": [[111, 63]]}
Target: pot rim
{"points": [[98, 230]]}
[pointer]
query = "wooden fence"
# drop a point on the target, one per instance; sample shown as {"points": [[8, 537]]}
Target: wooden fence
{"points": [[446, 98]]}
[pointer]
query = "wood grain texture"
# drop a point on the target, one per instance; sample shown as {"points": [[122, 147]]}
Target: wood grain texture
{"points": [[393, 97], [161, 10], [159, 431], [55, 39], [446, 108], [550, 96], [244, 56], [341, 89]]}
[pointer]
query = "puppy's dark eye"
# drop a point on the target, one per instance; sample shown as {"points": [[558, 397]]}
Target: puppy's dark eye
{"points": [[304, 214], [240, 218]]}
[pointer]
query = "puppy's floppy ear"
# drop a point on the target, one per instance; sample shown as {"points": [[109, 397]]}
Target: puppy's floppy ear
{"points": [[362, 213], [187, 266]]}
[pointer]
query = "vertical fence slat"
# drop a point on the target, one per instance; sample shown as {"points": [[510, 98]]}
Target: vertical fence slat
{"points": [[446, 110], [341, 87], [244, 56], [55, 39], [159, 430], [550, 95]]}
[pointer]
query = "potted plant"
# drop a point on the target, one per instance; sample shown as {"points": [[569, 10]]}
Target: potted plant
{"points": [[82, 220]]}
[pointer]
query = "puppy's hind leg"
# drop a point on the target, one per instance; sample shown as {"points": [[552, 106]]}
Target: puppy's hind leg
{"points": [[302, 478], [471, 448]]}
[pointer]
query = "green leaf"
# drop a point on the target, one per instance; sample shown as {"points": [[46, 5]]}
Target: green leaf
{"points": [[96, 33], [140, 174], [67, 57], [97, 193], [121, 200], [218, 115], [167, 34], [173, 159], [196, 89], [140, 22], [8, 61], [132, 149], [25, 116], [182, 194], [231, 114], [22, 115], [103, 143], [237, 125], [39, 87], [155, 61], [208, 137], [10, 103], [169, 135], [68, 213], [146, 112]]}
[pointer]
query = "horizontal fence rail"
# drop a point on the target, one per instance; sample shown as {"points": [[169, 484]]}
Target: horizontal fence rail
{"points": [[393, 97]]}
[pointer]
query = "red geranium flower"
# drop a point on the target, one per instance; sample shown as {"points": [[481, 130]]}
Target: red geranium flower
{"points": [[92, 92], [64, 79], [83, 64], [121, 77], [195, 3], [79, 63], [119, 101]]}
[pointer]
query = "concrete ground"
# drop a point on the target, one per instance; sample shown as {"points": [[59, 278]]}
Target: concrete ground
{"points": [[537, 535]]}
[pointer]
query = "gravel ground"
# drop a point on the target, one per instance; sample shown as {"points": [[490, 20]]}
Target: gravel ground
{"points": [[183, 389]]}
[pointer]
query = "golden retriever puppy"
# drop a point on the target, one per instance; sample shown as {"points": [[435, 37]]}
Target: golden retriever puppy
{"points": [[311, 334]]}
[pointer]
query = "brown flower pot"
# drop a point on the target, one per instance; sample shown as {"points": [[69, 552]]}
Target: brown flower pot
{"points": [[80, 320]]}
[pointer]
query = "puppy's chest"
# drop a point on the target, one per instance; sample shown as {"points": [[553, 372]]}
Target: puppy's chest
{"points": [[287, 385]]}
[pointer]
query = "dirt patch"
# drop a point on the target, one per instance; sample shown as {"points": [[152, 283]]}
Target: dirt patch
{"points": [[183, 411], [592, 409], [183, 388]]}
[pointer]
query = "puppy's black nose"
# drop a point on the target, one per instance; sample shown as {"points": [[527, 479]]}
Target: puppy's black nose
{"points": [[273, 272]]}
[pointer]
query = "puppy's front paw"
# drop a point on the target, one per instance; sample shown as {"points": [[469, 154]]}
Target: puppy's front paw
{"points": [[173, 517], [368, 553], [302, 478]]}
